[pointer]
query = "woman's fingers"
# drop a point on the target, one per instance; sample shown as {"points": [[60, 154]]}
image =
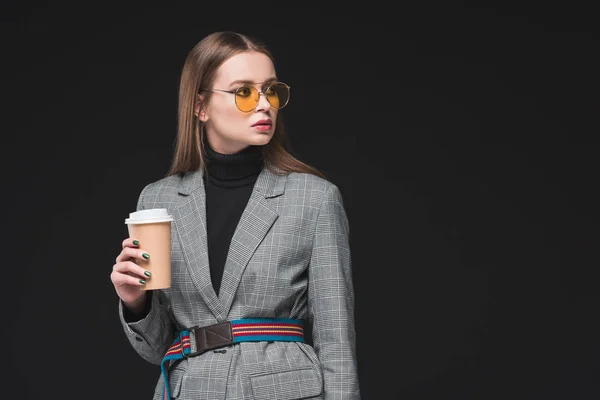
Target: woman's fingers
{"points": [[120, 279], [126, 273], [131, 269], [130, 242], [129, 252]]}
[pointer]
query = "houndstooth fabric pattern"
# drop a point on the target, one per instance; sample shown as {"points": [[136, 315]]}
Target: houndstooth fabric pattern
{"points": [[289, 258]]}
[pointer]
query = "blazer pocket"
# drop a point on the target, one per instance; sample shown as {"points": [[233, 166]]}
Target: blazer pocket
{"points": [[286, 385], [175, 379]]}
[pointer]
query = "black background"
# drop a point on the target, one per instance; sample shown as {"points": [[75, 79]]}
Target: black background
{"points": [[462, 138]]}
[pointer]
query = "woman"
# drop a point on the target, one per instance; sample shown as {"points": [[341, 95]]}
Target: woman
{"points": [[260, 248]]}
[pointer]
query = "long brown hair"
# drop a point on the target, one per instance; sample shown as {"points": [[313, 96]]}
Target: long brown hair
{"points": [[199, 71]]}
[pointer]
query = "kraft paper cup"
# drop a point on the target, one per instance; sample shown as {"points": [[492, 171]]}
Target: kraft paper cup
{"points": [[153, 229]]}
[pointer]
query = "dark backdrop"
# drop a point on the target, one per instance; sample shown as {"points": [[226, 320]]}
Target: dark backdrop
{"points": [[462, 138]]}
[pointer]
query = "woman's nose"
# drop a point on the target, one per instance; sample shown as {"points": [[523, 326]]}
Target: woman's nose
{"points": [[263, 103]]}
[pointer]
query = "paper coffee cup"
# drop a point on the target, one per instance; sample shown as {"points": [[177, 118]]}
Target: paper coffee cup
{"points": [[153, 230]]}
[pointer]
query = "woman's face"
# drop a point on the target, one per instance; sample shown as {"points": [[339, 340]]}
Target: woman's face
{"points": [[229, 130]]}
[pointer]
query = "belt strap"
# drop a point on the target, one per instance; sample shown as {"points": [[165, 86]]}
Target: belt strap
{"points": [[197, 340]]}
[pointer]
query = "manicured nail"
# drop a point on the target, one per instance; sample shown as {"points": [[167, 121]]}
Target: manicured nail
{"points": [[135, 242], [146, 256], [142, 281], [147, 273]]}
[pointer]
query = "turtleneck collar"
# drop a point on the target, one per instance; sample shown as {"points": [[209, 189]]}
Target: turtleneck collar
{"points": [[236, 166]]}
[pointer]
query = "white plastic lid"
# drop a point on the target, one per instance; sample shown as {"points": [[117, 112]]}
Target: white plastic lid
{"points": [[149, 216]]}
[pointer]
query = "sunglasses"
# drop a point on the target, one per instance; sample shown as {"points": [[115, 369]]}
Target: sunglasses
{"points": [[247, 96]]}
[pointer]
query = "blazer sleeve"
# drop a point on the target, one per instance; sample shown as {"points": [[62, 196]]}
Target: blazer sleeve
{"points": [[153, 333], [331, 299]]}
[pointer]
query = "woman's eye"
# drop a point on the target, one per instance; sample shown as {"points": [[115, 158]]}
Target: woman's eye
{"points": [[244, 91]]}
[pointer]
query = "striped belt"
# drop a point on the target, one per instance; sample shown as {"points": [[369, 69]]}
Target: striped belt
{"points": [[197, 340]]}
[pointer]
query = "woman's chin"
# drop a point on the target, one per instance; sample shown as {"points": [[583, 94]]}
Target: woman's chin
{"points": [[260, 138]]}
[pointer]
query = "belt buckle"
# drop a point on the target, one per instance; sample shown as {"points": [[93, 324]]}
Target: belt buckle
{"points": [[191, 334], [205, 338]]}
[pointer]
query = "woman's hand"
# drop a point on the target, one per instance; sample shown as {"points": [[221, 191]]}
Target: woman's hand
{"points": [[128, 277]]}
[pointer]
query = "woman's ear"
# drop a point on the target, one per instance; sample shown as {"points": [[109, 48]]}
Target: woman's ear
{"points": [[200, 108]]}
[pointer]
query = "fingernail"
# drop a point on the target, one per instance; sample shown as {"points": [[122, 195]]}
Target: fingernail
{"points": [[147, 273], [135, 242], [146, 256], [142, 281]]}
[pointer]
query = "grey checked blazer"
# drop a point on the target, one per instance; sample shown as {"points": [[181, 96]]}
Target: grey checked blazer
{"points": [[289, 258]]}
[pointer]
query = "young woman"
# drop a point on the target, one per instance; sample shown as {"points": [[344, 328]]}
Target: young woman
{"points": [[260, 247]]}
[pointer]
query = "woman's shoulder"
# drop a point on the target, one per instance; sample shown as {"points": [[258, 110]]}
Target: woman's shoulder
{"points": [[314, 192], [165, 186], [310, 182]]}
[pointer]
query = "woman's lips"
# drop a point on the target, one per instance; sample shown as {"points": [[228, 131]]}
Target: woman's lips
{"points": [[263, 125]]}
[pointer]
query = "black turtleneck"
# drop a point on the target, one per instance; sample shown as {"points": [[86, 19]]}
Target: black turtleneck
{"points": [[228, 184]]}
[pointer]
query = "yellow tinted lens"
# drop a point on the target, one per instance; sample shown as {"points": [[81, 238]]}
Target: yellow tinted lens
{"points": [[246, 98], [278, 95]]}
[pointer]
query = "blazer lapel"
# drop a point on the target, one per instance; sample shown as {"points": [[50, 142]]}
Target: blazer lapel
{"points": [[256, 220], [190, 215]]}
